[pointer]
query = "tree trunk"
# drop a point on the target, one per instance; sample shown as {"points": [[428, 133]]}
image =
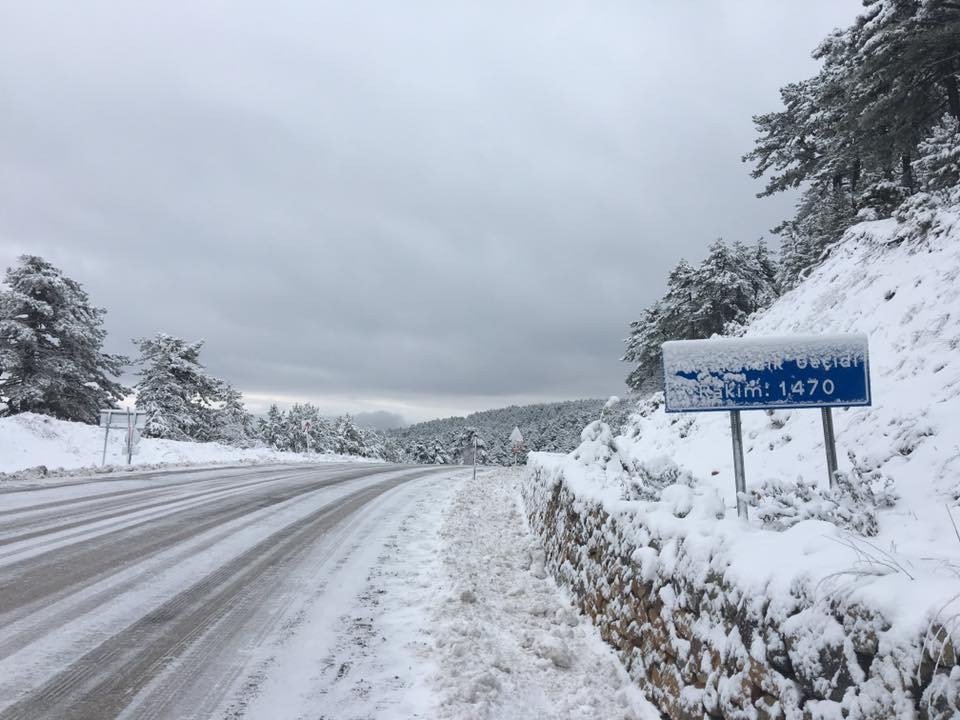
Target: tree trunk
{"points": [[953, 95], [907, 172]]}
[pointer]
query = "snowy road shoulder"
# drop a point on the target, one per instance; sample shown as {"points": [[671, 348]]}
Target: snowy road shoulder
{"points": [[441, 608], [506, 642]]}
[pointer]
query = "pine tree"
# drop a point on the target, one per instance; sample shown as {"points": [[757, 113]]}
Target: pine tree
{"points": [[716, 297], [273, 429], [438, 455], [347, 437], [420, 454], [230, 421], [938, 157], [175, 389], [51, 347], [850, 135]]}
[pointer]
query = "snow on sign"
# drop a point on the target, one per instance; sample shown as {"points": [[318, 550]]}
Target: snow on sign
{"points": [[766, 373], [735, 374]]}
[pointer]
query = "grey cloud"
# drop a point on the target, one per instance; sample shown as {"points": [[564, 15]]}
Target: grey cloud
{"points": [[424, 205]]}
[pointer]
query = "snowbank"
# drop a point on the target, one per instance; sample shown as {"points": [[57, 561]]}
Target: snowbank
{"points": [[29, 440], [853, 605]]}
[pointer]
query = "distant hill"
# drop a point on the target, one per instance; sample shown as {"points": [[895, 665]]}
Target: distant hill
{"points": [[551, 427]]}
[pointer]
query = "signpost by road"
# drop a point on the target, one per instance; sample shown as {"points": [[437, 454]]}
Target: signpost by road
{"points": [[307, 426], [735, 374], [133, 421]]}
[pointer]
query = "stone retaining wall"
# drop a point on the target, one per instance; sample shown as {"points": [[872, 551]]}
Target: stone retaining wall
{"points": [[701, 650]]}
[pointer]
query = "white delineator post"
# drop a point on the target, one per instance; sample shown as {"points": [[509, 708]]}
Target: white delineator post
{"points": [[131, 427], [739, 475], [106, 436], [474, 457]]}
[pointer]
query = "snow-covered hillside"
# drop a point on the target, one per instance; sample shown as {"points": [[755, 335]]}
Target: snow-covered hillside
{"points": [[30, 440], [906, 297], [672, 475]]}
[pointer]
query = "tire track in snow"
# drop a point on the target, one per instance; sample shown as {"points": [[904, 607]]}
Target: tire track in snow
{"points": [[40, 580], [104, 681]]}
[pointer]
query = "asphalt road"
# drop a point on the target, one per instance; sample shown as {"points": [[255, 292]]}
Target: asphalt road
{"points": [[139, 596]]}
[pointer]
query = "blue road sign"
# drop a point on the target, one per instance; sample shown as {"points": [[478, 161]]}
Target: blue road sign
{"points": [[766, 373]]}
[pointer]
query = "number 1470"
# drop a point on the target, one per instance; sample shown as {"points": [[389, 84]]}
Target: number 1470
{"points": [[808, 387]]}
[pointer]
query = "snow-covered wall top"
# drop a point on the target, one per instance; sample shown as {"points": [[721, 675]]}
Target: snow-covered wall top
{"points": [[766, 372]]}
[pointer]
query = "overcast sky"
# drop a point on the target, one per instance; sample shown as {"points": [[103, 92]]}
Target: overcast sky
{"points": [[423, 208]]}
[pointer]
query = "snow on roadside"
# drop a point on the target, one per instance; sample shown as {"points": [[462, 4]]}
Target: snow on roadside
{"points": [[506, 641], [440, 607], [29, 440]]}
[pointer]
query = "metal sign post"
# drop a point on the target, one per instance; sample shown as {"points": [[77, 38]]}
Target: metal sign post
{"points": [[136, 420], [739, 474], [106, 435], [130, 439], [734, 374], [829, 443], [307, 425]]}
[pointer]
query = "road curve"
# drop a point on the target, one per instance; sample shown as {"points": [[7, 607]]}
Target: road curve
{"points": [[112, 591]]}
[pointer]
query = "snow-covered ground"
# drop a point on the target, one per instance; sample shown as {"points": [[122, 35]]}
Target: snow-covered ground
{"points": [[455, 618], [29, 440], [506, 641]]}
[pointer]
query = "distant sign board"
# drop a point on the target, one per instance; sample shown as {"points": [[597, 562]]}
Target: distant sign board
{"points": [[765, 373], [114, 418]]}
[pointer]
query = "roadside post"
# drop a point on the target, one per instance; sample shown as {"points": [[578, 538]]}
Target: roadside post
{"points": [[133, 420], [130, 440], [735, 374], [475, 457], [739, 474], [105, 418], [307, 425]]}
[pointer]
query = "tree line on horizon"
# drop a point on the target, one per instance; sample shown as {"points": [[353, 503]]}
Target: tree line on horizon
{"points": [[546, 427], [874, 134]]}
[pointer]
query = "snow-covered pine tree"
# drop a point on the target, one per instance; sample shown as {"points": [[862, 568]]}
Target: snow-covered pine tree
{"points": [[723, 289], [175, 390], [849, 135], [438, 455], [320, 432], [730, 284], [51, 346], [273, 429], [298, 436], [938, 157], [420, 454], [348, 438], [230, 421]]}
